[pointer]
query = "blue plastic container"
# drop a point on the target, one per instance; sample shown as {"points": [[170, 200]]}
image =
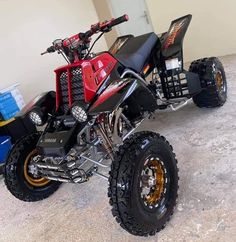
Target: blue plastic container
{"points": [[5, 146], [8, 106], [5, 96]]}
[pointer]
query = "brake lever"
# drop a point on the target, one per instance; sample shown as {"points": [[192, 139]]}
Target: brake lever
{"points": [[45, 52], [50, 49]]}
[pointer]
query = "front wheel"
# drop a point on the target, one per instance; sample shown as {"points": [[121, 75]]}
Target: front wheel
{"points": [[143, 184], [19, 177]]}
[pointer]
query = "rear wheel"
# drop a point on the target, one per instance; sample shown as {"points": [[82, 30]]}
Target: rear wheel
{"points": [[143, 184], [213, 81], [19, 177]]}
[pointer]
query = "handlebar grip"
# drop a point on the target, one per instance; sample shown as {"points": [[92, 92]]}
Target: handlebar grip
{"points": [[51, 49], [119, 20]]}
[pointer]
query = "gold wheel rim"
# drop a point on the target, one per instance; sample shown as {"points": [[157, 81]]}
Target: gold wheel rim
{"points": [[219, 81], [157, 188], [37, 182]]}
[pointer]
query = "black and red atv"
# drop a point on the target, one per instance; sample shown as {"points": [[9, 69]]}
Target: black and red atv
{"points": [[88, 123]]}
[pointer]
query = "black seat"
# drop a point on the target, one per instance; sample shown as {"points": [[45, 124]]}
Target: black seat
{"points": [[135, 53]]}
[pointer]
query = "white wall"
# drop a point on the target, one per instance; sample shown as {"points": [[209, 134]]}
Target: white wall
{"points": [[212, 31], [104, 13], [27, 29]]}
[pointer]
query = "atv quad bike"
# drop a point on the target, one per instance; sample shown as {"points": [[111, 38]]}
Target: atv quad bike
{"points": [[88, 123]]}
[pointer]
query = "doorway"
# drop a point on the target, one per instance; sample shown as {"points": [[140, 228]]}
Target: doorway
{"points": [[139, 20]]}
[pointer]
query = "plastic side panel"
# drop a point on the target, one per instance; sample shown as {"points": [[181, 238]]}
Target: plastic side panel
{"points": [[114, 95], [172, 44], [119, 43], [95, 71]]}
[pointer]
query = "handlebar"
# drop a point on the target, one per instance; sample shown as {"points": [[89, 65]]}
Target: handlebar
{"points": [[85, 37], [104, 26]]}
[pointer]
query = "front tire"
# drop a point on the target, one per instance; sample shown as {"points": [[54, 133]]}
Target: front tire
{"points": [[17, 179], [213, 81], [143, 184]]}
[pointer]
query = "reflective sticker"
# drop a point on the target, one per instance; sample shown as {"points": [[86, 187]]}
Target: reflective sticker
{"points": [[172, 64]]}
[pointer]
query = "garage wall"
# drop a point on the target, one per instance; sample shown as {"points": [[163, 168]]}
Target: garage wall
{"points": [[212, 31], [28, 28]]}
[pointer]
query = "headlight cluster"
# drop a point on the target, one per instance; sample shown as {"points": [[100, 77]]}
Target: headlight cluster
{"points": [[38, 117], [79, 113]]}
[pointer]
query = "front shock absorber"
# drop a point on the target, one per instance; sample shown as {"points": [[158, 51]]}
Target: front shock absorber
{"points": [[107, 143]]}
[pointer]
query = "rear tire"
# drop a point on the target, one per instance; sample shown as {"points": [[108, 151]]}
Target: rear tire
{"points": [[143, 184], [213, 82], [20, 185]]}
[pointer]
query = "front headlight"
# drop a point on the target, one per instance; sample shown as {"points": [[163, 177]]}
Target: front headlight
{"points": [[79, 113], [37, 117]]}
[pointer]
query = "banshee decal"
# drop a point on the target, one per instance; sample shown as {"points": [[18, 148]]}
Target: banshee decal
{"points": [[173, 33], [176, 32]]}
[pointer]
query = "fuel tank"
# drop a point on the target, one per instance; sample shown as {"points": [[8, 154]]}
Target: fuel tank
{"points": [[80, 81]]}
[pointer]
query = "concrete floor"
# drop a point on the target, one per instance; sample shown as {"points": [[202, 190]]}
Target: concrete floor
{"points": [[205, 143]]}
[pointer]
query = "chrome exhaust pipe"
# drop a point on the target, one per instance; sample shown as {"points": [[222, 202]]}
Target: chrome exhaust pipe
{"points": [[77, 179], [45, 166], [59, 179]]}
